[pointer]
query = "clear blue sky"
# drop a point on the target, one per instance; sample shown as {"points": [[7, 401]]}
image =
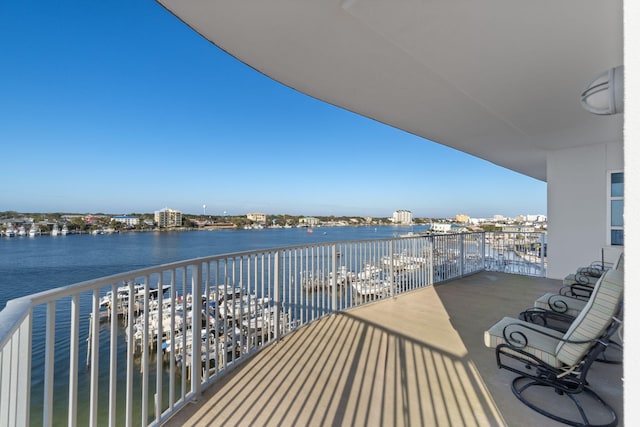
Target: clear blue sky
{"points": [[118, 107]]}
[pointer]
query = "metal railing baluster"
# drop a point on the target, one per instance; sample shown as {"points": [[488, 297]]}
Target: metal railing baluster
{"points": [[282, 289]]}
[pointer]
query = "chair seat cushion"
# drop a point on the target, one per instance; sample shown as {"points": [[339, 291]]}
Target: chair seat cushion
{"points": [[590, 271], [541, 342], [594, 319], [561, 304], [582, 279]]}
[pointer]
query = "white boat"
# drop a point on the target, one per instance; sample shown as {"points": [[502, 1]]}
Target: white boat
{"points": [[122, 297], [222, 293], [369, 271], [343, 276], [10, 231], [55, 230], [265, 321], [372, 287], [248, 305], [64, 230], [21, 231], [156, 324], [371, 282], [211, 345], [33, 231], [403, 262]]}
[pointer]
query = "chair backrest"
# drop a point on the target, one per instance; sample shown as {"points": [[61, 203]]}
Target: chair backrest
{"points": [[594, 319], [620, 264]]}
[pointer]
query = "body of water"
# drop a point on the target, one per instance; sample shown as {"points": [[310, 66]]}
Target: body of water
{"points": [[29, 265]]}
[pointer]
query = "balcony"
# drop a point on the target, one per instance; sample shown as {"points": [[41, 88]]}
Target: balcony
{"points": [[385, 331], [417, 359]]}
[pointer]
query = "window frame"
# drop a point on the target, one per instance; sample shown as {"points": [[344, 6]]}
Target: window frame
{"points": [[610, 199]]}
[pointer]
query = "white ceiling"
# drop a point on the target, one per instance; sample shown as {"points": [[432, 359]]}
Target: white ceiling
{"points": [[498, 79]]}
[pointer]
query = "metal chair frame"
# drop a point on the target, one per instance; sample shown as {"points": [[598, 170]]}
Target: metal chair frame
{"points": [[568, 381]]}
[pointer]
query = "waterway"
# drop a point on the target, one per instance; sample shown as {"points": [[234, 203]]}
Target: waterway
{"points": [[33, 264], [30, 265]]}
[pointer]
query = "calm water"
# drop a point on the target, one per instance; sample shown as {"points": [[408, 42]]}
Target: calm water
{"points": [[33, 264]]}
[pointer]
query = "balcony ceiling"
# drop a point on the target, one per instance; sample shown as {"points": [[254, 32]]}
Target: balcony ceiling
{"points": [[498, 79]]}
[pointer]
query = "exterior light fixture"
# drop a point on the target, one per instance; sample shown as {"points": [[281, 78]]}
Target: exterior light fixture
{"points": [[605, 94]]}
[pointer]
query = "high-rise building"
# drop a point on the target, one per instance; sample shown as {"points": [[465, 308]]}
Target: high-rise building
{"points": [[257, 217], [168, 218], [462, 218], [402, 217]]}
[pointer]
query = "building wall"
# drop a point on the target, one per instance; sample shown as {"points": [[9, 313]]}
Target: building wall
{"points": [[402, 217], [257, 217], [310, 221], [131, 221], [168, 218], [632, 207], [577, 206]]}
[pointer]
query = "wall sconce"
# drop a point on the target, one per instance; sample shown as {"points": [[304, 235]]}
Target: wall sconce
{"points": [[605, 94]]}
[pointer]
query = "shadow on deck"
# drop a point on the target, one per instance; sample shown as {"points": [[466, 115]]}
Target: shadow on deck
{"points": [[418, 359]]}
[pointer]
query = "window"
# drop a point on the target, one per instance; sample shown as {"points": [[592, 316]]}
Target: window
{"points": [[616, 208]]}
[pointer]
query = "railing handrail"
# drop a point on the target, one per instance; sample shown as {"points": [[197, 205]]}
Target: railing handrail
{"points": [[442, 255], [12, 316]]}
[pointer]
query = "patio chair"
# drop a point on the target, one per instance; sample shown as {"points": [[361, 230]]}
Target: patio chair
{"points": [[590, 274], [548, 359], [580, 285], [558, 312]]}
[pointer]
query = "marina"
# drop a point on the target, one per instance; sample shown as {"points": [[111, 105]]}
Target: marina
{"points": [[246, 299], [235, 319]]}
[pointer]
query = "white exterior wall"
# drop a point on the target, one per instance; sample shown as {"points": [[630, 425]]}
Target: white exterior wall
{"points": [[403, 217], [577, 206], [632, 208]]}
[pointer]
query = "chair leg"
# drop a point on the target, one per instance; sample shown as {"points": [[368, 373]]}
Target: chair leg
{"points": [[605, 417], [612, 354]]}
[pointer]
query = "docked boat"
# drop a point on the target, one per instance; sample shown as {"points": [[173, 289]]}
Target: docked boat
{"points": [[372, 287], [248, 305], [369, 271], [121, 301], [55, 230], [166, 323], [10, 231]]}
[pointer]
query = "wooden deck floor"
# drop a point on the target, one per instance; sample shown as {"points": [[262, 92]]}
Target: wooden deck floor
{"points": [[414, 360]]}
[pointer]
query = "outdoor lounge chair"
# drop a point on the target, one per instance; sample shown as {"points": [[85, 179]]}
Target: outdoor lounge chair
{"points": [[558, 312], [588, 276], [580, 285], [548, 359]]}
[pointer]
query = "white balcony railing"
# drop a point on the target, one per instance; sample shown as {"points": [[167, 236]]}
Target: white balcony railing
{"points": [[132, 348]]}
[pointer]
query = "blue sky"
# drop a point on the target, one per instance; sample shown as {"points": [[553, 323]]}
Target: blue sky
{"points": [[118, 107]]}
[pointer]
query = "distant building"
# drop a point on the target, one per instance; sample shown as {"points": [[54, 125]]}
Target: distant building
{"points": [[92, 219], [518, 228], [128, 220], [536, 218], [257, 217], [462, 218], [402, 217], [308, 222], [440, 227], [166, 218]]}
